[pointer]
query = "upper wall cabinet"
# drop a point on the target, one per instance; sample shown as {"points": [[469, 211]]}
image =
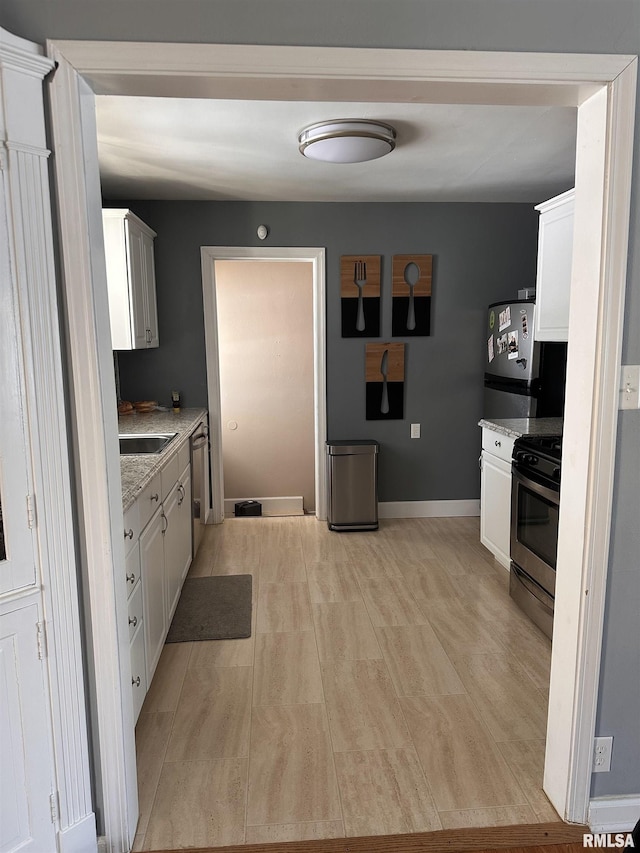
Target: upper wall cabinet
{"points": [[553, 282], [131, 280]]}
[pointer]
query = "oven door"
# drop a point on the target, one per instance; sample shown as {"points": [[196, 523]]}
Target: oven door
{"points": [[534, 529]]}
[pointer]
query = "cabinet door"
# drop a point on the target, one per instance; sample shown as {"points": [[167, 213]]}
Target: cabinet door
{"points": [[553, 282], [151, 310], [153, 590], [138, 671], [137, 287], [177, 539], [495, 507]]}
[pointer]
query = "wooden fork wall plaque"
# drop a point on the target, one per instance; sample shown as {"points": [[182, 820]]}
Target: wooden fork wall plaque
{"points": [[360, 295]]}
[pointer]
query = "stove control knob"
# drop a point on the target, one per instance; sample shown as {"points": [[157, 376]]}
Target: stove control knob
{"points": [[530, 459], [556, 474]]}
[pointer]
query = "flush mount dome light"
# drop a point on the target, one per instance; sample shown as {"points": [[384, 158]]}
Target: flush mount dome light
{"points": [[347, 140]]}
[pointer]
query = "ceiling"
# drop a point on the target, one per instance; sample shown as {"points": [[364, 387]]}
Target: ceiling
{"points": [[172, 148]]}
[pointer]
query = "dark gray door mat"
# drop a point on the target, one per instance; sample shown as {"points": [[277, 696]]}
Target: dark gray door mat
{"points": [[213, 608]]}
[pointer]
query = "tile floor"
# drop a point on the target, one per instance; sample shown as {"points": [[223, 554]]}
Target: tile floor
{"points": [[389, 686]]}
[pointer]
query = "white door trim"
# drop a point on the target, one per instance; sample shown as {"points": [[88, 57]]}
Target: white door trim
{"points": [[316, 257], [602, 221]]}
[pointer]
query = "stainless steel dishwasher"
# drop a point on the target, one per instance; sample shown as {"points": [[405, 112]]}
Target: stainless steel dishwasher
{"points": [[199, 446], [352, 468]]}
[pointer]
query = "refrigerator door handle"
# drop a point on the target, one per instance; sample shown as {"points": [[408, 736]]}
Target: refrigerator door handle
{"points": [[523, 362]]}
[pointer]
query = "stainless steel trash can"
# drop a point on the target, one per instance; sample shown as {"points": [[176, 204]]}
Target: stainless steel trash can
{"points": [[352, 468]]}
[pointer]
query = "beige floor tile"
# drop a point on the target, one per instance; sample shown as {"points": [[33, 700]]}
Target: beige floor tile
{"points": [[280, 833], [508, 700], [384, 792], [363, 709], [344, 631], [287, 670], [237, 554], [500, 816], [152, 737], [459, 628], [282, 565], [212, 718], [164, 691], [545, 694], [379, 561], [332, 582], [291, 774], [202, 565], [138, 843], [283, 607], [427, 579], [522, 638], [417, 663], [526, 759], [199, 804], [281, 533], [210, 653], [389, 602], [463, 765]]}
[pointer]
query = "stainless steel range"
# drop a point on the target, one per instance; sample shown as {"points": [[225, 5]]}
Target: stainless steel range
{"points": [[535, 504]]}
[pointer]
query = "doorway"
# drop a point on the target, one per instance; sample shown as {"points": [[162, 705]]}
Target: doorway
{"points": [[212, 257], [602, 217]]}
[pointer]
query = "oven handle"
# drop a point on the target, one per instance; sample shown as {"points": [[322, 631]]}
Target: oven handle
{"points": [[552, 495]]}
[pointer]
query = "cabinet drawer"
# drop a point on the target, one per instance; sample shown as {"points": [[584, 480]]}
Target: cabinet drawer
{"points": [[131, 527], [149, 500], [132, 567], [169, 473], [138, 671], [135, 611], [498, 444]]}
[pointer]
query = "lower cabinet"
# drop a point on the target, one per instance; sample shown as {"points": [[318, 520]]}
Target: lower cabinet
{"points": [[495, 495], [163, 560]]}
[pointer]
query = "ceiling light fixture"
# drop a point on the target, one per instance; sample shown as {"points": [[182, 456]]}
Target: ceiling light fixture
{"points": [[347, 140]]}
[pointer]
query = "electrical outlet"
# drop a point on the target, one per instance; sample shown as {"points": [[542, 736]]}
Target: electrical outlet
{"points": [[415, 430], [629, 385], [602, 747]]}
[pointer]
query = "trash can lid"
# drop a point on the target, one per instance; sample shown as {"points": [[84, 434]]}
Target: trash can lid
{"points": [[354, 446]]}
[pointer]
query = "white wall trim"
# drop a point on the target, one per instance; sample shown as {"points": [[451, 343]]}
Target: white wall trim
{"points": [[315, 256], [95, 429], [614, 814], [279, 73], [290, 505], [428, 509], [603, 185]]}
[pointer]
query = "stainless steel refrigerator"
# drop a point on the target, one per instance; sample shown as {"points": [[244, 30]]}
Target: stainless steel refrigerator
{"points": [[523, 378]]}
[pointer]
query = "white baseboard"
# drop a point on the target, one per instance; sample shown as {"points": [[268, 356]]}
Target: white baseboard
{"points": [[614, 814], [428, 509], [270, 506], [79, 838]]}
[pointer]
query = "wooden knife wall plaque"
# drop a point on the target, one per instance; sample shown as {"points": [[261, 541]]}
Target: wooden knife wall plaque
{"points": [[384, 376]]}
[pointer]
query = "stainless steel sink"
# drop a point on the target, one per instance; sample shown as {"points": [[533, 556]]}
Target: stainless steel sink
{"points": [[145, 442]]}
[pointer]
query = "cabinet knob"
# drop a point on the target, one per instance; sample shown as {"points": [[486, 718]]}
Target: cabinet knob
{"points": [[498, 443], [131, 578], [133, 621], [154, 497], [128, 534], [136, 681]]}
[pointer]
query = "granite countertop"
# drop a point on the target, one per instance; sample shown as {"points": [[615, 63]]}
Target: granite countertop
{"points": [[517, 427], [138, 469]]}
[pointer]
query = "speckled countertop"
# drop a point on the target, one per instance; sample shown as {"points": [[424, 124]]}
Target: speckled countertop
{"points": [[138, 469], [517, 427]]}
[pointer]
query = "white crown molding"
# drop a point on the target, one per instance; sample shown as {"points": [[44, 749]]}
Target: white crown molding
{"points": [[34, 150], [22, 56]]}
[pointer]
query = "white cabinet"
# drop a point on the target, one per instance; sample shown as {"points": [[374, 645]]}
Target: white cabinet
{"points": [[553, 279], [131, 281], [495, 494], [177, 540], [153, 589]]}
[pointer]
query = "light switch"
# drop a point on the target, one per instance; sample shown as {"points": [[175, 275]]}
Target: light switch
{"points": [[629, 384], [415, 430]]}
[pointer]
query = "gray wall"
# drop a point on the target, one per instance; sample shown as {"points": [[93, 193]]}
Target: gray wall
{"points": [[482, 253], [589, 26]]}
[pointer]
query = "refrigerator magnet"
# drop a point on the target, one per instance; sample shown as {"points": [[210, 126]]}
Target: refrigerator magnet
{"points": [[512, 344], [504, 319], [490, 351]]}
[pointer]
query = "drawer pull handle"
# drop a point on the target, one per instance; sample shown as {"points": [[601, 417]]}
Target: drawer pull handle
{"points": [[136, 681], [131, 578], [133, 621], [154, 497], [128, 534], [498, 443], [166, 523]]}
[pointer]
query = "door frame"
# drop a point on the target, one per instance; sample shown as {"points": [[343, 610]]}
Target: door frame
{"points": [[316, 257], [603, 88]]}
